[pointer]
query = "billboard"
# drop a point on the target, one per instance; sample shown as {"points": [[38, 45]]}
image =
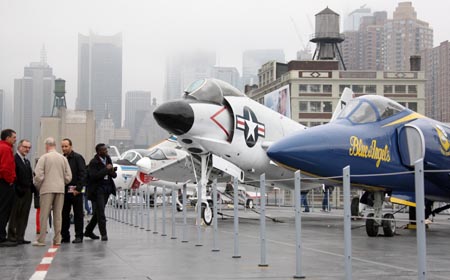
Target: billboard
{"points": [[279, 100]]}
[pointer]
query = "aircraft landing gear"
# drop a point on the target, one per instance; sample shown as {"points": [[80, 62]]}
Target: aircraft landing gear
{"points": [[374, 220], [207, 214]]}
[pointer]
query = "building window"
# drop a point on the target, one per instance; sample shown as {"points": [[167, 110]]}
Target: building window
{"points": [[327, 107], [314, 124], [371, 89], [303, 88], [303, 106], [412, 89], [412, 106], [358, 88], [400, 89], [342, 87], [387, 89], [314, 88], [315, 106], [327, 88]]}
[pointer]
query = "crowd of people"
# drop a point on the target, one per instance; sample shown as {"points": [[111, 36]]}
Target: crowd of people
{"points": [[57, 185]]}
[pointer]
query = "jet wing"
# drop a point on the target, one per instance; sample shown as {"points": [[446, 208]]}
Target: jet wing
{"points": [[179, 170]]}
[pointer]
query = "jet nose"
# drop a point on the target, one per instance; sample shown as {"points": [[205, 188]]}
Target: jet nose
{"points": [[176, 116], [306, 150]]}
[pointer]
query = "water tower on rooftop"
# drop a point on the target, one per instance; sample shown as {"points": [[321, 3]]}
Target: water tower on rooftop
{"points": [[59, 100], [327, 36]]}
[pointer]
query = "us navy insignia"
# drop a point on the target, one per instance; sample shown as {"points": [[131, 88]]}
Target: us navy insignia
{"points": [[251, 127]]}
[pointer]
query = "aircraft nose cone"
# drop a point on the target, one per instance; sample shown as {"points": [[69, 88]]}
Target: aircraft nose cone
{"points": [[306, 150], [176, 116]]}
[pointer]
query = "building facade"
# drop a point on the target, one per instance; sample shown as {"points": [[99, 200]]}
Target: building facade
{"points": [[315, 88], [33, 98], [100, 75], [381, 44], [184, 68], [227, 74], [136, 101], [353, 19], [252, 61], [405, 35], [79, 126], [436, 62]]}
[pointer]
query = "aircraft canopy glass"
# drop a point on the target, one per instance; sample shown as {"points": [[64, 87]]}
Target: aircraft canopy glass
{"points": [[211, 90], [162, 154], [370, 108]]}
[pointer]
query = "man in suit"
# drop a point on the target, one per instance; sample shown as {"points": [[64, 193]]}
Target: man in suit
{"points": [[24, 188], [73, 197], [52, 174], [100, 186], [7, 178]]}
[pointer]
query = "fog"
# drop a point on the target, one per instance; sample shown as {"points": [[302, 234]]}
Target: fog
{"points": [[152, 29]]}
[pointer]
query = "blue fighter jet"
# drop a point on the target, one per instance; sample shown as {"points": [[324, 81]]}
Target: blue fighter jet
{"points": [[374, 135]]}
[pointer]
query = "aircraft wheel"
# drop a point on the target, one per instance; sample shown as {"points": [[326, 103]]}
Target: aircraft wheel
{"points": [[207, 215], [179, 207], [250, 204], [371, 226], [389, 225], [354, 208]]}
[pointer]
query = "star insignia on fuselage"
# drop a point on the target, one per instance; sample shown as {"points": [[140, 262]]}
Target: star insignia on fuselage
{"points": [[251, 127]]}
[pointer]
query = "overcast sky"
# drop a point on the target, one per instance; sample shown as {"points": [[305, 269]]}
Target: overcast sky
{"points": [[153, 28]]}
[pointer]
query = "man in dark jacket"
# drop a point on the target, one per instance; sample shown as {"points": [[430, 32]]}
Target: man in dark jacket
{"points": [[100, 185], [7, 178], [73, 197], [24, 188]]}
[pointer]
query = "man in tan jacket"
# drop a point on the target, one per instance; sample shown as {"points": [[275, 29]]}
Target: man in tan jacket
{"points": [[52, 173]]}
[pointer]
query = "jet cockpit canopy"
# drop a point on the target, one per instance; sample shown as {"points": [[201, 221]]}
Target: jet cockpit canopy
{"points": [[210, 90], [370, 108]]}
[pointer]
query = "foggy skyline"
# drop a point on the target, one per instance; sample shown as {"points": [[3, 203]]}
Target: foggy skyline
{"points": [[152, 30]]}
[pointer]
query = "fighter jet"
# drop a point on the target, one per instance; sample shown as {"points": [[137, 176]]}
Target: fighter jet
{"points": [[374, 135], [214, 118]]}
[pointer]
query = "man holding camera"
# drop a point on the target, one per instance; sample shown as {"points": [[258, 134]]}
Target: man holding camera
{"points": [[100, 185]]}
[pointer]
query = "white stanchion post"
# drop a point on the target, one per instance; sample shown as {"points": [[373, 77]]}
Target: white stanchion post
{"points": [[155, 210], [174, 210], [147, 203], [184, 240], [262, 220], [125, 203], [215, 201], [141, 192], [136, 208], [164, 212], [236, 218], [199, 214], [420, 221], [298, 227], [131, 207], [347, 223]]}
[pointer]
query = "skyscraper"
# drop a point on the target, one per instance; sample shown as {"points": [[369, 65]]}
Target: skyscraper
{"points": [[33, 98], [405, 35], [184, 68], [100, 75], [436, 64], [227, 74], [363, 49], [353, 19], [136, 101], [386, 44], [252, 60]]}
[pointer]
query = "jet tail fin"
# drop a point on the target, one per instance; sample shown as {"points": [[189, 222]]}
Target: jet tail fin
{"points": [[347, 95]]}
